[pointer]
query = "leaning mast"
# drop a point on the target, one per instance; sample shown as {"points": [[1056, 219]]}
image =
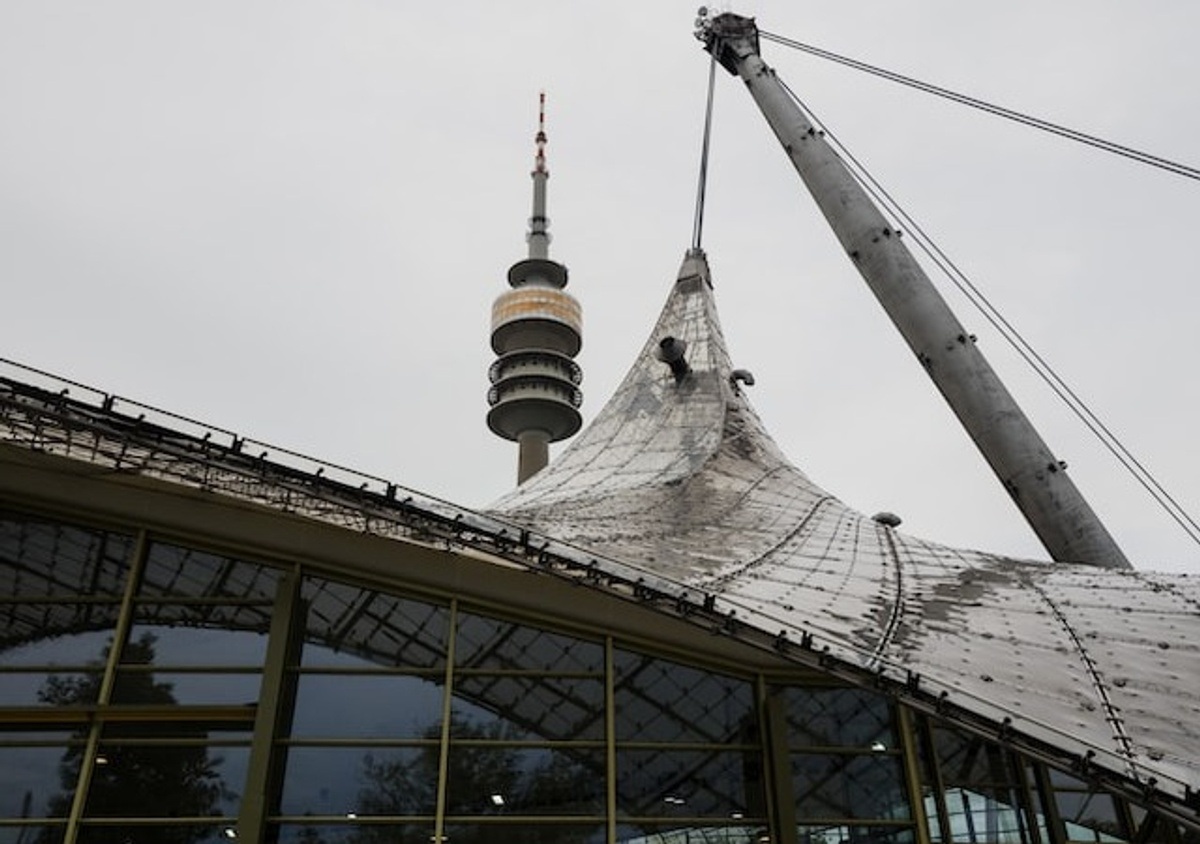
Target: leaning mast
{"points": [[1036, 480]]}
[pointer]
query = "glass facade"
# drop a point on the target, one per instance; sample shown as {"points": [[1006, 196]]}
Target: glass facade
{"points": [[151, 691]]}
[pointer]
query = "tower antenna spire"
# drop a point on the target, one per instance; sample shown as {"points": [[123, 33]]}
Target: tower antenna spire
{"points": [[536, 332], [540, 138], [539, 224]]}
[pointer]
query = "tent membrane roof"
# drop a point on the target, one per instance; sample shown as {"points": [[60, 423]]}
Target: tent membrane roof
{"points": [[676, 497], [682, 479]]}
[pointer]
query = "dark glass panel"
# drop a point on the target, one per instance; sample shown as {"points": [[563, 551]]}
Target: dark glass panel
{"points": [[31, 630], [657, 700], [931, 799], [40, 558], [1089, 816], [361, 833], [208, 832], [367, 706], [931, 817], [525, 781], [1149, 829], [854, 835], [987, 815], [186, 689], [186, 572], [14, 735], [668, 832], [193, 645], [76, 682], [32, 834], [970, 761], [137, 779], [251, 621], [380, 629], [984, 800], [360, 780], [489, 643], [140, 680], [534, 708], [524, 833], [689, 783], [1038, 807], [79, 651], [1061, 779], [49, 688], [838, 717], [849, 786], [31, 781]]}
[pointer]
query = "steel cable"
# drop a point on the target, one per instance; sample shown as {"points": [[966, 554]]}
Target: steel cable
{"points": [[1009, 114], [1011, 335], [702, 184]]}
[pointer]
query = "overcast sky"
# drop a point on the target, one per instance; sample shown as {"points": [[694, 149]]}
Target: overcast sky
{"points": [[290, 219]]}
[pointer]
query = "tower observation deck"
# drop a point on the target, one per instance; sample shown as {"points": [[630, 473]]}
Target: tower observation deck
{"points": [[536, 332]]}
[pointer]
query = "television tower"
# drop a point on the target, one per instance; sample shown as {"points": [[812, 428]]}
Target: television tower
{"points": [[536, 331]]}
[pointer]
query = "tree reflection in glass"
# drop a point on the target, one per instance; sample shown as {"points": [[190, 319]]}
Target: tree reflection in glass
{"points": [[142, 768], [484, 777]]}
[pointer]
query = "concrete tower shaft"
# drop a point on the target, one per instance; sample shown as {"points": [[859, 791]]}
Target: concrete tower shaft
{"points": [[537, 329]]}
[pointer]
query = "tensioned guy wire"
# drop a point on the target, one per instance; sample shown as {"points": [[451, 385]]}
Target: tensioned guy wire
{"points": [[698, 220], [1139, 156], [1010, 334]]}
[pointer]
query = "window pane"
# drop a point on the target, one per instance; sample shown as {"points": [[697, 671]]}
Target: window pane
{"points": [[534, 708], [198, 634], [1161, 833], [674, 833], [202, 833], [849, 786], [988, 815], [49, 688], [138, 680], [64, 632], [43, 558], [692, 783], [983, 801], [658, 700], [970, 761], [184, 780], [380, 629], [185, 572], [834, 717], [31, 782], [81, 650], [489, 643], [854, 835], [26, 834], [367, 706], [294, 833], [360, 780], [193, 643], [524, 833], [190, 689], [525, 781], [1089, 816]]}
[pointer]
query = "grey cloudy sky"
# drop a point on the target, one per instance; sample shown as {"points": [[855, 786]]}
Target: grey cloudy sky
{"points": [[290, 220]]}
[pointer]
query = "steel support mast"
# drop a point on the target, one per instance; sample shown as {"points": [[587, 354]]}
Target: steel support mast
{"points": [[1036, 480]]}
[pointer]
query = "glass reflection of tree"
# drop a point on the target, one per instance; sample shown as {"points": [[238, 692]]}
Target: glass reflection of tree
{"points": [[128, 779], [309, 835], [408, 786]]}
